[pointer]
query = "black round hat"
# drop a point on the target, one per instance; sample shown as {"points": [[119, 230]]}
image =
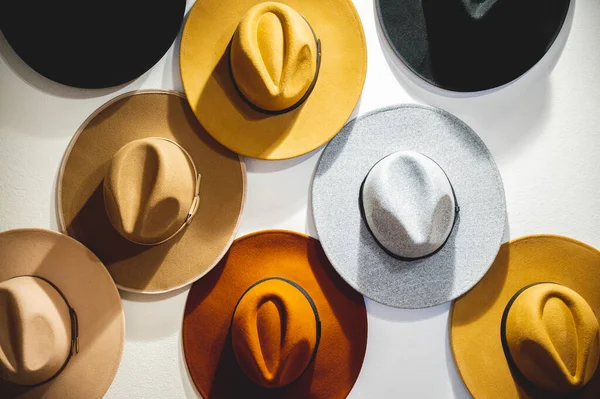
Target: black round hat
{"points": [[471, 45], [91, 44]]}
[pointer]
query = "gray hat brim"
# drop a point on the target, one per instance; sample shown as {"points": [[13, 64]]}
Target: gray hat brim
{"points": [[358, 258]]}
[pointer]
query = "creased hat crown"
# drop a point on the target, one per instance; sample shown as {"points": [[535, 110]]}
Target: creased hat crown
{"points": [[552, 336], [275, 332], [149, 190], [478, 11], [35, 330], [408, 204], [273, 56]]}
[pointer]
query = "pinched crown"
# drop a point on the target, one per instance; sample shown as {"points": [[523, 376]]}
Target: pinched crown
{"points": [[35, 330], [408, 204], [274, 332], [552, 337], [150, 190], [273, 56]]}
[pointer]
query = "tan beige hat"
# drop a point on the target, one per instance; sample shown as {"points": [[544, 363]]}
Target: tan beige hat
{"points": [[150, 192], [61, 319]]}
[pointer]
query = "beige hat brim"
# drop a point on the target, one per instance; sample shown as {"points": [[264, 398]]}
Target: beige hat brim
{"points": [[231, 121], [476, 317], [88, 287], [81, 212]]}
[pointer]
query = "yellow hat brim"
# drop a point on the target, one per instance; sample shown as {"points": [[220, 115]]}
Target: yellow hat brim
{"points": [[476, 316], [231, 121]]}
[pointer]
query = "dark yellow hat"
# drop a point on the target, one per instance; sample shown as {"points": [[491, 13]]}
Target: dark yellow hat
{"points": [[273, 80], [529, 328]]}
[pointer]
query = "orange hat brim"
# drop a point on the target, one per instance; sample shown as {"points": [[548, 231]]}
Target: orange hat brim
{"points": [[212, 300], [477, 315]]}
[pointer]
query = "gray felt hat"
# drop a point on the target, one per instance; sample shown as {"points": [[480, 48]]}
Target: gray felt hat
{"points": [[409, 206]]}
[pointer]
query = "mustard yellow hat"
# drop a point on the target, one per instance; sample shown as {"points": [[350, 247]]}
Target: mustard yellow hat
{"points": [[529, 328], [273, 80]]}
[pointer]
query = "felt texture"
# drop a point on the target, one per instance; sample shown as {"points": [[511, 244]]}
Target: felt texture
{"points": [[552, 337], [212, 300], [149, 189], [475, 320], [80, 202], [212, 95], [89, 290], [274, 333], [470, 45], [346, 239], [408, 204], [35, 330], [273, 56], [91, 44]]}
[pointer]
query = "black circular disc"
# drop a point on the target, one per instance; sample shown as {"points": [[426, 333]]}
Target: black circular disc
{"points": [[91, 43], [471, 45]]}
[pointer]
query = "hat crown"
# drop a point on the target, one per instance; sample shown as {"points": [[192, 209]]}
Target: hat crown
{"points": [[149, 190], [479, 10], [273, 56], [274, 332], [35, 330], [552, 335], [408, 204]]}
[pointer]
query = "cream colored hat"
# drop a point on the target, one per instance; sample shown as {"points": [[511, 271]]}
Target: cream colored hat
{"points": [[61, 319]]}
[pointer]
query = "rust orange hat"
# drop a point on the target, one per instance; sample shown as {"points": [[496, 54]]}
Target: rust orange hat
{"points": [[530, 329], [274, 320]]}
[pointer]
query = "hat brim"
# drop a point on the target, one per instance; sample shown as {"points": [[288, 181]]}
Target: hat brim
{"points": [[476, 316], [353, 251], [89, 289], [212, 300], [80, 202], [405, 29], [104, 45], [231, 121]]}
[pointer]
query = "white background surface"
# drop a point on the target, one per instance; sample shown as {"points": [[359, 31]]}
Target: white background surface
{"points": [[543, 129]]}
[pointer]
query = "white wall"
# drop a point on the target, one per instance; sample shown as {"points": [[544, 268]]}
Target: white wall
{"points": [[544, 131]]}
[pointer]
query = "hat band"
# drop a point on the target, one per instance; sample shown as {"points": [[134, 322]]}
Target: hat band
{"points": [[388, 252], [195, 201], [311, 303], [74, 332], [505, 349], [299, 102]]}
